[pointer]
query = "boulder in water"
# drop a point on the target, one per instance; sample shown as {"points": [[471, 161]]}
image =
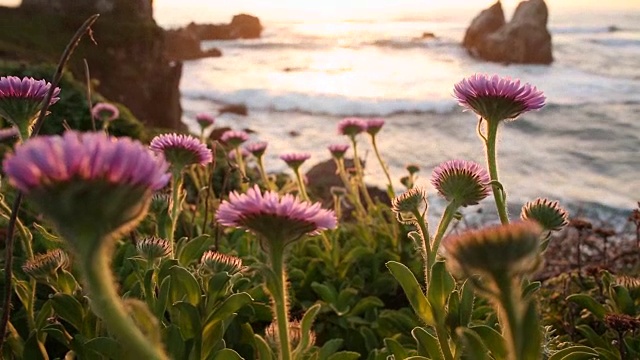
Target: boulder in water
{"points": [[525, 39]]}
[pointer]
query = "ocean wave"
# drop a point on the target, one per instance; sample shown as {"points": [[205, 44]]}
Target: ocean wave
{"points": [[585, 29], [326, 105], [334, 105]]}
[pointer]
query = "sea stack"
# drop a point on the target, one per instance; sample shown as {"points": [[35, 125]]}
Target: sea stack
{"points": [[523, 40]]}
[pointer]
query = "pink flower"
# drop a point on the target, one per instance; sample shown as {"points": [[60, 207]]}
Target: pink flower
{"points": [[495, 98], [22, 99], [105, 111], [89, 185], [205, 120], [295, 160], [257, 149], [464, 182], [277, 219], [234, 138], [8, 133], [12, 87], [181, 150], [338, 150], [48, 161], [374, 125], [352, 126]]}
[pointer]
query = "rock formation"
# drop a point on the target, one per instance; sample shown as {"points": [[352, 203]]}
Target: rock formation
{"points": [[525, 39], [242, 26], [128, 63], [182, 44]]}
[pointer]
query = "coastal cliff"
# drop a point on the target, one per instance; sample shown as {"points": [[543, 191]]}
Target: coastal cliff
{"points": [[127, 62]]}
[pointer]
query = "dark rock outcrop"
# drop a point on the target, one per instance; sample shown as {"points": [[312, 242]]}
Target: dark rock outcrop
{"points": [[183, 44], [524, 39], [128, 64], [242, 26]]}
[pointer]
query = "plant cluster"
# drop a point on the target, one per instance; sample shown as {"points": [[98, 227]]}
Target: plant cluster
{"points": [[188, 248]]}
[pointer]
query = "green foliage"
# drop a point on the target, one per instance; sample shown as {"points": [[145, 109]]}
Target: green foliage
{"points": [[72, 110]]}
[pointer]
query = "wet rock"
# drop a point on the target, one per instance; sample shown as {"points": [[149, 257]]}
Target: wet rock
{"points": [[183, 44], [525, 39], [238, 109]]}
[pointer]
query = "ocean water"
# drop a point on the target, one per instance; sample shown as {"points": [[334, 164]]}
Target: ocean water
{"points": [[301, 78]]}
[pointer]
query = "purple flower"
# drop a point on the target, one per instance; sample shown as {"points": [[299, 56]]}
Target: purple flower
{"points": [[90, 185], [234, 138], [495, 98], [205, 120], [21, 100], [50, 161], [276, 219], [374, 126], [105, 111], [295, 160], [338, 150], [352, 126], [257, 149], [464, 182], [181, 150]]}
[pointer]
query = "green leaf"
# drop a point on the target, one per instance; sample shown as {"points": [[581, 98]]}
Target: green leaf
{"points": [[394, 347], [174, 342], [162, 302], [427, 344], [213, 328], [184, 286], [588, 303], [453, 310], [466, 303], [594, 339], [107, 347], [327, 293], [48, 236], [34, 349], [262, 348], [67, 283], [530, 289], [186, 316], [190, 251], [305, 329], [363, 305], [69, 309], [623, 300], [345, 355], [227, 354], [412, 289], [531, 332], [475, 349], [492, 339], [560, 355], [329, 348], [440, 286], [144, 319]]}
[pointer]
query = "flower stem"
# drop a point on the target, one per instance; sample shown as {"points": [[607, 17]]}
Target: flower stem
{"points": [[106, 303], [510, 316], [390, 190], [353, 192], [360, 174], [279, 293], [301, 187], [426, 247], [445, 220], [176, 206], [263, 174], [492, 164]]}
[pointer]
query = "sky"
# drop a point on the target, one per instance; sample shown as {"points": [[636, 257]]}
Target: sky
{"points": [[304, 10]]}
